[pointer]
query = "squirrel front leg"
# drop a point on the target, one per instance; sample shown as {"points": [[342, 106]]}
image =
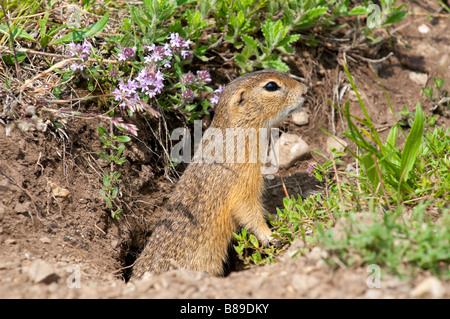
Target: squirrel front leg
{"points": [[252, 218]]}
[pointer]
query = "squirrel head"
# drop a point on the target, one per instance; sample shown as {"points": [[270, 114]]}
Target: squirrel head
{"points": [[258, 99]]}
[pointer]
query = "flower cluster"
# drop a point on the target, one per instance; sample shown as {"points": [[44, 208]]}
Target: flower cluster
{"points": [[178, 44], [127, 93], [159, 53], [187, 95], [215, 99], [190, 81], [127, 54], [310, 170], [82, 51], [203, 77], [160, 61], [150, 80]]}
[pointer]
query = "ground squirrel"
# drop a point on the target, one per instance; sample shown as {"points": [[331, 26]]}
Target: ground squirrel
{"points": [[211, 200]]}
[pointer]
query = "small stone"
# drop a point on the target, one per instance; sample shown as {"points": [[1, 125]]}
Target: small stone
{"points": [[429, 288], [290, 148], [22, 208], [42, 272], [114, 243], [423, 28], [10, 241], [418, 78], [300, 118], [45, 240], [58, 191], [336, 142]]}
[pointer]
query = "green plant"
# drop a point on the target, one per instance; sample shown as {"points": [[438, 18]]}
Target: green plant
{"points": [[406, 117], [297, 16], [276, 37], [388, 169], [401, 243], [111, 180], [297, 220], [440, 99], [250, 250]]}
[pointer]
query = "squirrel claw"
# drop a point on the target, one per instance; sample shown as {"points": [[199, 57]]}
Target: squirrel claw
{"points": [[276, 243]]}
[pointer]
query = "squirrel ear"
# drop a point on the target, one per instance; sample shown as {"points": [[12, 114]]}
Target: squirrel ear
{"points": [[239, 99], [242, 98]]}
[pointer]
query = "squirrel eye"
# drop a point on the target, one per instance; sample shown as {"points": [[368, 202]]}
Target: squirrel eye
{"points": [[271, 87]]}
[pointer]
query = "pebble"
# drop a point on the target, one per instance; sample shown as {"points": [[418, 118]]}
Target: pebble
{"points": [[418, 78], [300, 118], [423, 28], [290, 148], [45, 240], [10, 241], [58, 191], [429, 288], [42, 272], [114, 243], [336, 142], [22, 208]]}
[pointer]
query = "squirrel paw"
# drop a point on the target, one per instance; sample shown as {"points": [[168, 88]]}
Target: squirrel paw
{"points": [[275, 242]]}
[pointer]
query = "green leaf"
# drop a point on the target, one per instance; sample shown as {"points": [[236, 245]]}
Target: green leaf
{"points": [[103, 194], [359, 10], [103, 155], [9, 58], [79, 35], [242, 61], [102, 131], [289, 39], [241, 18], [268, 32], [313, 13], [276, 64], [106, 180], [123, 139], [412, 144], [199, 52], [391, 140], [250, 42], [254, 241], [371, 171], [439, 83], [396, 17], [17, 33], [119, 153]]}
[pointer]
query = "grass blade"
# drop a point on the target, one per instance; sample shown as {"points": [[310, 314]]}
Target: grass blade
{"points": [[412, 145], [81, 34]]}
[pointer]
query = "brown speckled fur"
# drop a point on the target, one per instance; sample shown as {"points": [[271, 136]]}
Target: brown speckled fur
{"points": [[211, 200]]}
